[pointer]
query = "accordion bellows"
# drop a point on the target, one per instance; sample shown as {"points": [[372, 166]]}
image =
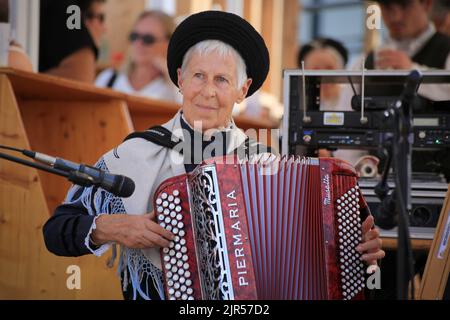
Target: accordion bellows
{"points": [[279, 228]]}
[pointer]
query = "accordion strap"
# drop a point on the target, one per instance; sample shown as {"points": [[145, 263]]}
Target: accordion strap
{"points": [[158, 135], [163, 137]]}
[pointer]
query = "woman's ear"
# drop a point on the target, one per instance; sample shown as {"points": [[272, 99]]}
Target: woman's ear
{"points": [[244, 90], [180, 79]]}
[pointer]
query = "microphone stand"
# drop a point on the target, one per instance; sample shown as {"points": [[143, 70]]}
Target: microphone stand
{"points": [[75, 177], [398, 204], [403, 140]]}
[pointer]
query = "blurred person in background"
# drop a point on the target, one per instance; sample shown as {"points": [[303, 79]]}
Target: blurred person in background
{"points": [[69, 52], [329, 54], [441, 16], [94, 19], [145, 71]]}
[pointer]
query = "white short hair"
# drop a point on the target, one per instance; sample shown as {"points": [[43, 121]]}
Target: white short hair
{"points": [[223, 49]]}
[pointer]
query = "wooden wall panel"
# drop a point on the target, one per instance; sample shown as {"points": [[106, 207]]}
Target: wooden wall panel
{"points": [[27, 269], [80, 131]]}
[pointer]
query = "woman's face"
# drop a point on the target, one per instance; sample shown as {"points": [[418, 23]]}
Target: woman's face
{"points": [[323, 59], [148, 28], [210, 89]]}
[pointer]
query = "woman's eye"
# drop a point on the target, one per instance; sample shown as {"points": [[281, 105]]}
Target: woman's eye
{"points": [[198, 75], [222, 79]]}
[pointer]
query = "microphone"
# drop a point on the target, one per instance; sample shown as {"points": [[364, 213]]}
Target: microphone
{"points": [[386, 217], [411, 86], [118, 185]]}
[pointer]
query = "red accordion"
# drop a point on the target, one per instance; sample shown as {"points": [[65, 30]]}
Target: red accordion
{"points": [[279, 229]]}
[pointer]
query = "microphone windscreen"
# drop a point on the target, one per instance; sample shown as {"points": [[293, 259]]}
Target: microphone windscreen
{"points": [[125, 187]]}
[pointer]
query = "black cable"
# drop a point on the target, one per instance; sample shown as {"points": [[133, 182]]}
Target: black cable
{"points": [[351, 83], [10, 148], [34, 165]]}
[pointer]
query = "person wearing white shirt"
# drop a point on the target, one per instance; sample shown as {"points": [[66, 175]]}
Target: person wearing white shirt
{"points": [[412, 43], [145, 73]]}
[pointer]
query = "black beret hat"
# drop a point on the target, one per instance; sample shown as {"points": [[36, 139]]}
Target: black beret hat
{"points": [[226, 27], [322, 43]]}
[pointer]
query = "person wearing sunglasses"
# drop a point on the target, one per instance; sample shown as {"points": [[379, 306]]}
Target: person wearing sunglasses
{"points": [[66, 51], [145, 72], [94, 20]]}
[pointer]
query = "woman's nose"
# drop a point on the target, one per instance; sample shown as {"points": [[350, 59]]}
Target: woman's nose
{"points": [[208, 90]]}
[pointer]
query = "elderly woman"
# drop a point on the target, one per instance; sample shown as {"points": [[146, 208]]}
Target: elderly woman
{"points": [[217, 59]]}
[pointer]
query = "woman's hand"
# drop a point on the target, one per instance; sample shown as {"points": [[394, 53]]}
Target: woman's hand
{"points": [[370, 248], [132, 231]]}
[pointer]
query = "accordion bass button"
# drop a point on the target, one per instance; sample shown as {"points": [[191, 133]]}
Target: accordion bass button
{"points": [[189, 291], [170, 198], [179, 217], [182, 242], [164, 196], [158, 201], [189, 283], [177, 201], [184, 258], [178, 208], [176, 193]]}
